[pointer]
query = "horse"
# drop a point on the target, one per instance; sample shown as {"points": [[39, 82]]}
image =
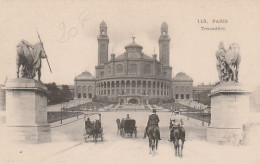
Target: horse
{"points": [[153, 135], [228, 62], [30, 60], [96, 130], [118, 125], [122, 124], [178, 138], [233, 60]]}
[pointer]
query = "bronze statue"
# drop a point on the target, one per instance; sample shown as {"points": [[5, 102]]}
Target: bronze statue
{"points": [[228, 62], [29, 56]]}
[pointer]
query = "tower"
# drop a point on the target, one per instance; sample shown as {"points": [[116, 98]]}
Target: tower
{"points": [[103, 41], [164, 45]]}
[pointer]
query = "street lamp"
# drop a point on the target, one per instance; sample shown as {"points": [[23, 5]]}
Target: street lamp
{"points": [[61, 109]]}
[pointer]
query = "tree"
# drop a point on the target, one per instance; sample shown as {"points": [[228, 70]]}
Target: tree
{"points": [[204, 97], [54, 97], [58, 95], [65, 93]]}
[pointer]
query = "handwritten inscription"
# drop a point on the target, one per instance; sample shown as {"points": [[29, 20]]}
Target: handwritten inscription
{"points": [[68, 33], [212, 24]]}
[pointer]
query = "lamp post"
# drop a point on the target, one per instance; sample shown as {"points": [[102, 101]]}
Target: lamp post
{"points": [[202, 112], [61, 114]]}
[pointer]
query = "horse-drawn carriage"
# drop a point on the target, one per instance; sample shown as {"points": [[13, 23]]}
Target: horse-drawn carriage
{"points": [[93, 128], [127, 127]]}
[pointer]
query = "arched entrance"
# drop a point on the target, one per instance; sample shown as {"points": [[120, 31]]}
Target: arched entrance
{"points": [[133, 101]]}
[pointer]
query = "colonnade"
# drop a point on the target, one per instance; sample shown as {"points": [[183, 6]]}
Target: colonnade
{"points": [[133, 87]]}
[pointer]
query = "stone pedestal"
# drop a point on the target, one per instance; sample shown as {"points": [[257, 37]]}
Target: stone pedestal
{"points": [[26, 115], [229, 111], [2, 105]]}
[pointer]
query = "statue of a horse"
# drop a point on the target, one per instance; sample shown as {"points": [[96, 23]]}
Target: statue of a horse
{"points": [[153, 135], [228, 62], [233, 60], [29, 59]]}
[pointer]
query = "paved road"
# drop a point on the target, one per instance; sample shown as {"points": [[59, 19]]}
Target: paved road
{"points": [[68, 147], [74, 131]]}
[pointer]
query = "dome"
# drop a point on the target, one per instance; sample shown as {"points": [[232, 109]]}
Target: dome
{"points": [[182, 77], [164, 25], [85, 76], [103, 24], [134, 55], [133, 45]]}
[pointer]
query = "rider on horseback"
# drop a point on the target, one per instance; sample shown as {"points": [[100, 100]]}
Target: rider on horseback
{"points": [[176, 121], [152, 121]]}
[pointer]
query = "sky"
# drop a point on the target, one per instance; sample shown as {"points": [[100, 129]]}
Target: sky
{"points": [[69, 31]]}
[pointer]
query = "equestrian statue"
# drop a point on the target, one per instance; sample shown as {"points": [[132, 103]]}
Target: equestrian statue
{"points": [[29, 57], [228, 62]]}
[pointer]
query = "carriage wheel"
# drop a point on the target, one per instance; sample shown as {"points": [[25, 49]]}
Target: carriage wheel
{"points": [[101, 135], [95, 137]]}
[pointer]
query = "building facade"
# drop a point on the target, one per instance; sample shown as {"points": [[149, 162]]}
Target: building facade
{"points": [[84, 86], [131, 77], [182, 87]]}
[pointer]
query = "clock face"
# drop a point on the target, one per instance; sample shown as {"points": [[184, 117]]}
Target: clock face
{"points": [[164, 33]]}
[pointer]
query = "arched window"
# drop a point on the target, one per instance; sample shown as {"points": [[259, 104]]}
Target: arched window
{"points": [[154, 84], [122, 83], [113, 84], [117, 84], [138, 84], [133, 83], [127, 83], [119, 68], [149, 84], [144, 84]]}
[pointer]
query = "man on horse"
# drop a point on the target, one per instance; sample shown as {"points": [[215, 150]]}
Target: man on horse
{"points": [[153, 121], [176, 122]]}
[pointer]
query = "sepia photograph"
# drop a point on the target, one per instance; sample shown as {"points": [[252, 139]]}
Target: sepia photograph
{"points": [[130, 81]]}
